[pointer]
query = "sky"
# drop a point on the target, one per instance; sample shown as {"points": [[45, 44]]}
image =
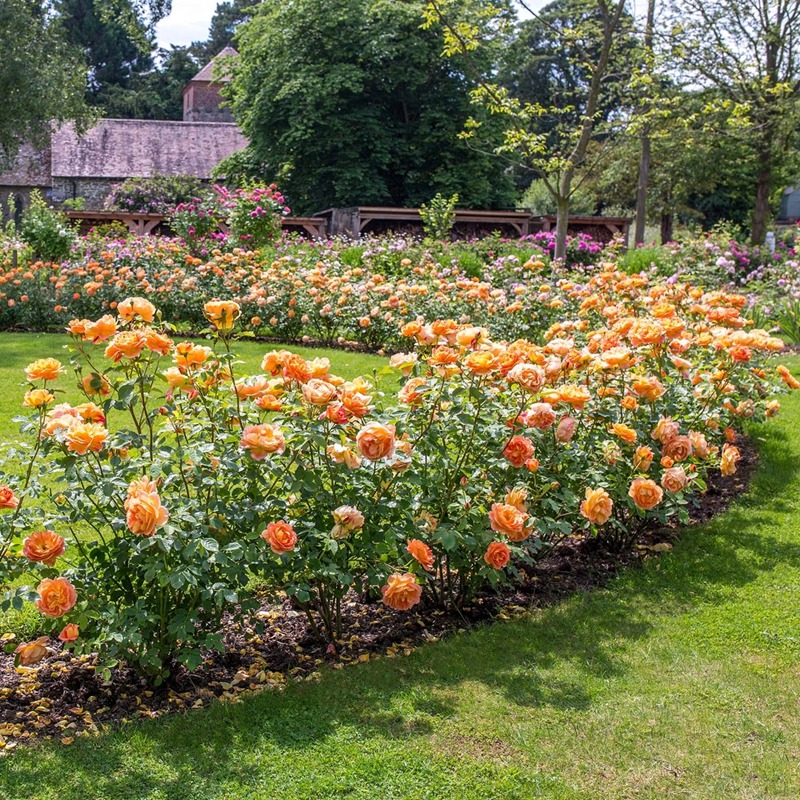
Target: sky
{"points": [[190, 19]]}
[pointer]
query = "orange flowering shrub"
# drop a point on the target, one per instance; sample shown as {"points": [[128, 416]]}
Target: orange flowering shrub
{"points": [[187, 479]]}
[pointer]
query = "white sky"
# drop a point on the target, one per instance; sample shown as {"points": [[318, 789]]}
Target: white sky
{"points": [[190, 19]]}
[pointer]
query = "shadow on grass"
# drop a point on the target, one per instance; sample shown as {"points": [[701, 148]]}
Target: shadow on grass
{"points": [[551, 659]]}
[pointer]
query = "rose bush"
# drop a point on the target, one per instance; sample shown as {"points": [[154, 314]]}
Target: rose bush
{"points": [[178, 481]]}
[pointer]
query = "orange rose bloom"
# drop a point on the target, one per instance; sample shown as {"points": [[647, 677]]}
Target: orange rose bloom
{"points": [[528, 376], [699, 444], [354, 402], [7, 497], [189, 355], [44, 369], [497, 555], [222, 314], [642, 459], [136, 307], [518, 451], [597, 506], [442, 356], [410, 393], [144, 510], [674, 479], [280, 536], [69, 633], [401, 592], [510, 521], [157, 342], [43, 546], [94, 384], [32, 652], [678, 448], [376, 441], [648, 387], [344, 455], [540, 415], [517, 498], [576, 396], [128, 344], [645, 493], [787, 377], [296, 368], [624, 432], [481, 362], [262, 440], [665, 430], [318, 392], [104, 328], [56, 597], [421, 553], [36, 398], [730, 457], [83, 437]]}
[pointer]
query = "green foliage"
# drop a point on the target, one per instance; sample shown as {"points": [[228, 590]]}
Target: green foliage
{"points": [[156, 195], [438, 216], [298, 94], [788, 319], [539, 199], [46, 230]]}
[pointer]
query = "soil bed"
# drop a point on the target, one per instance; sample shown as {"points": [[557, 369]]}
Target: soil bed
{"points": [[63, 697]]}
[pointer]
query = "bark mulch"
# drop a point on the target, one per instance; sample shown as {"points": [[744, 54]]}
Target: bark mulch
{"points": [[63, 697]]}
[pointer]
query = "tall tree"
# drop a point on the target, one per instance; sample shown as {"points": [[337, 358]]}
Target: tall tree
{"points": [[548, 140], [42, 78], [228, 16], [749, 52], [348, 102]]}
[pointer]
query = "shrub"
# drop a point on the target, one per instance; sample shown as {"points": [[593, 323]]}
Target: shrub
{"points": [[158, 194], [438, 216], [253, 214], [46, 230]]}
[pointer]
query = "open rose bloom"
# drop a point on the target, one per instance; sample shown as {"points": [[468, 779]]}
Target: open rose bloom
{"points": [[483, 447]]}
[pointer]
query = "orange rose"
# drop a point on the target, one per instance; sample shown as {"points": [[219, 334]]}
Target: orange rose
{"points": [[104, 328], [527, 376], [630, 403], [518, 451], [36, 398], [43, 546], [642, 459], [442, 356], [699, 444], [376, 441], [91, 412], [157, 342], [665, 430], [730, 457], [517, 498], [597, 506], [787, 377], [128, 344], [674, 479], [188, 355], [421, 553], [262, 440], [497, 555], [410, 394], [344, 455], [648, 387], [7, 497], [134, 308], [222, 314], [401, 592], [481, 362], [83, 437], [645, 493], [280, 536], [472, 337], [69, 633], [144, 510], [44, 369], [354, 402], [566, 429], [296, 368], [94, 384], [318, 392], [540, 415], [32, 652], [510, 521], [625, 433], [576, 396], [678, 448], [56, 597]]}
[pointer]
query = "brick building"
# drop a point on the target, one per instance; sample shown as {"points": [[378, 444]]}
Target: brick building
{"points": [[72, 166]]}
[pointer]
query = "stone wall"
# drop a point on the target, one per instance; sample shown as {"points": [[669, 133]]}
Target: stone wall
{"points": [[93, 190], [201, 103]]}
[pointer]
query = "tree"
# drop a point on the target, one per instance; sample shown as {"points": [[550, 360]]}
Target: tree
{"points": [[347, 102], [227, 18], [748, 53], [42, 78], [551, 141]]}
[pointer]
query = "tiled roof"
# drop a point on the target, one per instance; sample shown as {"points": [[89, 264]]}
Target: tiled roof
{"points": [[207, 73], [119, 148]]}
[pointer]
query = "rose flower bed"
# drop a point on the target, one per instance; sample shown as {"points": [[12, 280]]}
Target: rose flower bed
{"points": [[152, 509]]}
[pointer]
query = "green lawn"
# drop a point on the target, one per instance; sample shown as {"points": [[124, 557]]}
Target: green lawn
{"points": [[678, 680]]}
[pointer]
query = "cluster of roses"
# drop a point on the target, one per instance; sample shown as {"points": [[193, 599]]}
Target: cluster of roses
{"points": [[495, 450]]}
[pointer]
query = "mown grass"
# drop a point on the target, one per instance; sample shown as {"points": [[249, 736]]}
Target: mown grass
{"points": [[677, 680]]}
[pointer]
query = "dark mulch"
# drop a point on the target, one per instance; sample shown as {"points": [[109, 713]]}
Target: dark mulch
{"points": [[63, 697]]}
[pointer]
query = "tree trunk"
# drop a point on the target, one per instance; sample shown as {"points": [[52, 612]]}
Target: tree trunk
{"points": [[562, 223], [666, 227], [761, 211], [641, 191]]}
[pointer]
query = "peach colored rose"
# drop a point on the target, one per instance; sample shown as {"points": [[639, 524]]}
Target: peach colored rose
{"points": [[665, 430], [576, 396], [69, 633], [144, 512], [222, 314], [157, 342], [401, 592], [410, 393], [679, 448], [648, 387], [597, 506], [517, 497], [94, 384], [518, 451], [404, 362], [443, 356], [642, 458], [318, 392], [376, 441], [262, 440], [7, 497], [84, 437], [344, 455], [787, 377], [91, 412], [729, 459], [527, 376], [104, 328], [355, 401], [57, 596], [280, 536], [346, 520], [188, 355], [510, 521], [645, 493], [421, 553], [624, 432], [31, 653], [36, 398], [566, 429], [472, 337], [481, 362], [540, 415], [497, 555], [128, 344], [43, 546], [674, 479], [296, 368], [133, 308], [699, 444], [44, 369]]}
